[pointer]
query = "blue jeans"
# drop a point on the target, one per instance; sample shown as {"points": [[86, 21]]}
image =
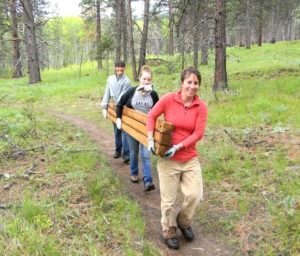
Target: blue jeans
{"points": [[121, 141], [135, 146]]}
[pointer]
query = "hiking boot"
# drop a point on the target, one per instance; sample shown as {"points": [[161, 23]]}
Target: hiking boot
{"points": [[134, 179], [187, 233], [149, 186], [116, 155], [126, 159], [170, 238], [172, 243]]}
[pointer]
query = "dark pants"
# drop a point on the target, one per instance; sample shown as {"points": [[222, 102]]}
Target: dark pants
{"points": [[121, 141]]}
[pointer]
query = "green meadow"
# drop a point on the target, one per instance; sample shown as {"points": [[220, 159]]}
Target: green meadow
{"points": [[250, 158]]}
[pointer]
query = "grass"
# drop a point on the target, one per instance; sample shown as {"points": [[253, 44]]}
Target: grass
{"points": [[249, 157], [252, 190], [68, 207]]}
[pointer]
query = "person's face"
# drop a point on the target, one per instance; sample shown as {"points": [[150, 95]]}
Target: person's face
{"points": [[119, 70], [145, 79], [190, 85]]}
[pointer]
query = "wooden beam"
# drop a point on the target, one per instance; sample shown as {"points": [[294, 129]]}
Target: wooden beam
{"points": [[134, 123]]}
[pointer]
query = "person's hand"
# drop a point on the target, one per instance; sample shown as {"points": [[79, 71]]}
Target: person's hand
{"points": [[171, 152], [151, 146], [119, 123], [148, 88], [104, 112]]}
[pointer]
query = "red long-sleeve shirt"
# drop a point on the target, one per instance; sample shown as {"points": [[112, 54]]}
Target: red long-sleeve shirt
{"points": [[189, 122]]}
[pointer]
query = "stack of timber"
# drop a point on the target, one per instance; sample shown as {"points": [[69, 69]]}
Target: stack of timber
{"points": [[134, 123]]}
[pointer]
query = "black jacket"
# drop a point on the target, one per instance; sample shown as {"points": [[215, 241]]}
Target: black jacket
{"points": [[126, 99]]}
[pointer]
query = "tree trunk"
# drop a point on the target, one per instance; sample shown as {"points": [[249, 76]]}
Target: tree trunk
{"points": [[171, 29], [124, 31], [260, 22], [30, 41], [195, 49], [205, 35], [131, 40], [142, 60], [183, 34], [182, 55], [240, 36], [99, 57], [196, 26], [17, 70], [275, 17], [248, 36], [118, 29], [220, 81]]}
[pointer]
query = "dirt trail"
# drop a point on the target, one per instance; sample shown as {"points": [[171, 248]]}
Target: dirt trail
{"points": [[203, 245]]}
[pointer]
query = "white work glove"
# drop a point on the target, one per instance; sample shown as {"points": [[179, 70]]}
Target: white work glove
{"points": [[119, 123], [104, 112], [148, 88], [171, 152], [151, 145]]}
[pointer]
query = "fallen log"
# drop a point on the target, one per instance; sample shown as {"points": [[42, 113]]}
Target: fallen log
{"points": [[134, 123]]}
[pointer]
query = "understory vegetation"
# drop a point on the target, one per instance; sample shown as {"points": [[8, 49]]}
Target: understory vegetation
{"points": [[59, 195]]}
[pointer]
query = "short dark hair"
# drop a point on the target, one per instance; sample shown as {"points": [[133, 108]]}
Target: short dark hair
{"points": [[120, 63]]}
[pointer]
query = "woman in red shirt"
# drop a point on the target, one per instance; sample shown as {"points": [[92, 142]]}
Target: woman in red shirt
{"points": [[180, 166]]}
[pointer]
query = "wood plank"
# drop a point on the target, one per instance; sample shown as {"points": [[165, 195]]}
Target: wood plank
{"points": [[160, 125], [160, 148], [134, 123]]}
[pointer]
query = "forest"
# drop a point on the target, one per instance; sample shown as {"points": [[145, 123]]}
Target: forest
{"points": [[33, 39], [62, 192]]}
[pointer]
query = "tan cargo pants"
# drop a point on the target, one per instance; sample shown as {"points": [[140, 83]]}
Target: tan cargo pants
{"points": [[174, 175]]}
